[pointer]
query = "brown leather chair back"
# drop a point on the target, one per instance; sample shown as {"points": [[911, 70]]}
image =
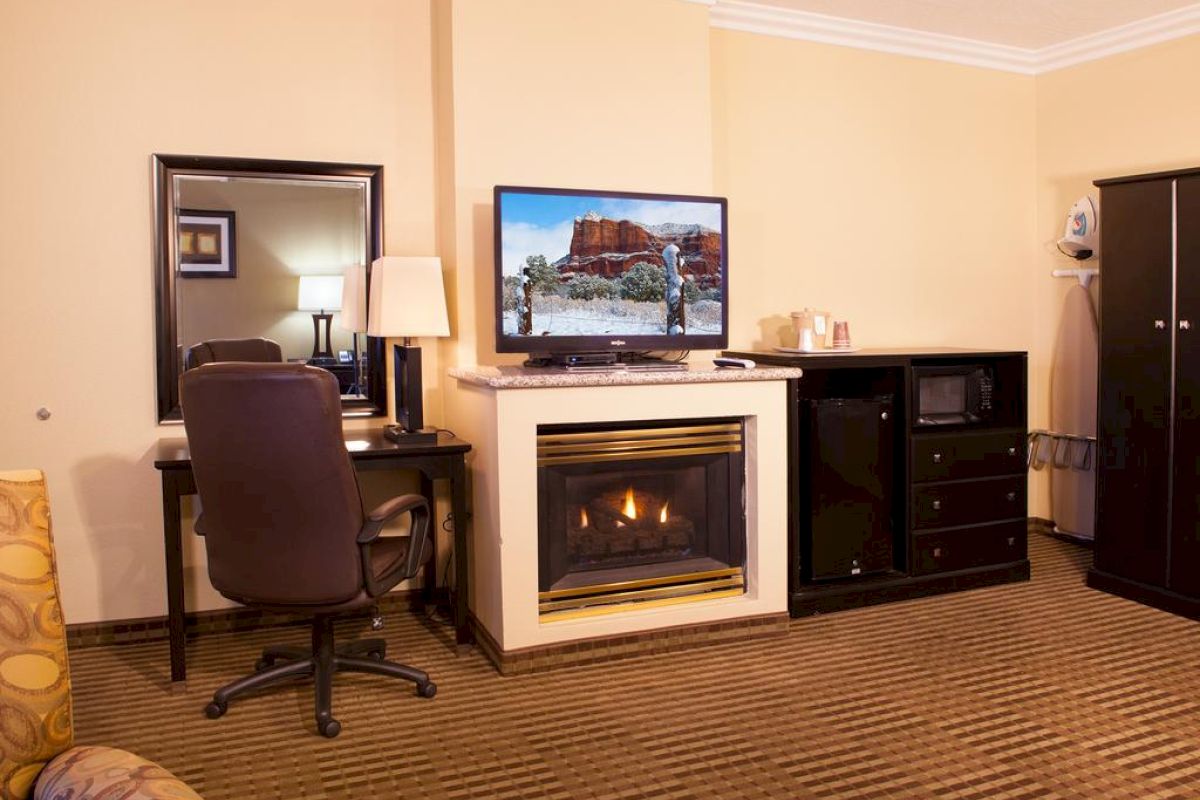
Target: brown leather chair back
{"points": [[258, 350], [281, 509]]}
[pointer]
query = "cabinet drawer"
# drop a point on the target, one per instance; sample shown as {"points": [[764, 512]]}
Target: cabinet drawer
{"points": [[942, 505], [963, 548], [951, 456]]}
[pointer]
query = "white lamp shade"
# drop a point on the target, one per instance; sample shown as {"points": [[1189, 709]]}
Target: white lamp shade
{"points": [[354, 299], [320, 293], [407, 297]]}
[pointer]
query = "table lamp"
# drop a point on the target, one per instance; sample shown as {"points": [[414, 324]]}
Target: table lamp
{"points": [[407, 300], [321, 293], [354, 315]]}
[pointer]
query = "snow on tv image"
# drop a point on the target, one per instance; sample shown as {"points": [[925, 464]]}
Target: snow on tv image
{"points": [[593, 266]]}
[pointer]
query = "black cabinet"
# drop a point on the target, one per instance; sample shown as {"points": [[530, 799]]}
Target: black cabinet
{"points": [[1148, 483], [847, 498], [885, 508]]}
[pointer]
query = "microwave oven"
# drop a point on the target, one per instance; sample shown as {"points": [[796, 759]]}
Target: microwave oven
{"points": [[952, 395]]}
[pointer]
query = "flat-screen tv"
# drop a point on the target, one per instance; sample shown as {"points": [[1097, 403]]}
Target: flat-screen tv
{"points": [[581, 271]]}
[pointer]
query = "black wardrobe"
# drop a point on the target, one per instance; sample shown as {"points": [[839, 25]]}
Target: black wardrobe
{"points": [[1148, 494]]}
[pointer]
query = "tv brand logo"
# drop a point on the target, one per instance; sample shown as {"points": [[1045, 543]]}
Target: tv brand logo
{"points": [[617, 342]]}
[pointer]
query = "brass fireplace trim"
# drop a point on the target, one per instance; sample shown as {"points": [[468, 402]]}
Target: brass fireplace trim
{"points": [[595, 611], [614, 596], [623, 586], [638, 444], [641, 433]]}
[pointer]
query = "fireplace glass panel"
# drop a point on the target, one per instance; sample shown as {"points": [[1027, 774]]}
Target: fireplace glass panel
{"points": [[640, 517], [651, 508]]}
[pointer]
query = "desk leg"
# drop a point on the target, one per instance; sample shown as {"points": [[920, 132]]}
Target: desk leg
{"points": [[458, 508], [173, 541], [429, 581]]}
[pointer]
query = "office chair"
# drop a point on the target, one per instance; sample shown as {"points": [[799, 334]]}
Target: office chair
{"points": [[283, 522], [258, 350]]}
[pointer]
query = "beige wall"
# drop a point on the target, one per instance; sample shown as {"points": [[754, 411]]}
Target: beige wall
{"points": [[1124, 115], [915, 198], [895, 192], [611, 95], [89, 92]]}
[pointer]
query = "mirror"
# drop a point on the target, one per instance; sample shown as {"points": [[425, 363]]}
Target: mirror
{"points": [[253, 249]]}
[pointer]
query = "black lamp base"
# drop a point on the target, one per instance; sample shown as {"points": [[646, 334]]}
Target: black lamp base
{"points": [[401, 436], [410, 410], [317, 320]]}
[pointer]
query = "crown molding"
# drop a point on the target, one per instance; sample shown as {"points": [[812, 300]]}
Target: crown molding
{"points": [[748, 17], [1144, 32]]}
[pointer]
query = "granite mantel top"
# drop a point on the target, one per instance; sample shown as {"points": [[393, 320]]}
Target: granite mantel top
{"points": [[547, 378]]}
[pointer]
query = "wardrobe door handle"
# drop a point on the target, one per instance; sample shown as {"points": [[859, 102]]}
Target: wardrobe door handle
{"points": [[1185, 325], [1160, 324], [937, 458]]}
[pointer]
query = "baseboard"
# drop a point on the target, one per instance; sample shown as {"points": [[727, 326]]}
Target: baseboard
{"points": [[822, 599], [542, 658], [1154, 596], [202, 623]]}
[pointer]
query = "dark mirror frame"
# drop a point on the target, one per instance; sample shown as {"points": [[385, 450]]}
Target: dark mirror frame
{"points": [[166, 168]]}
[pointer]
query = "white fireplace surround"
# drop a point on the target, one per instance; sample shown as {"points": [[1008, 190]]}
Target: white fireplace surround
{"points": [[499, 410]]}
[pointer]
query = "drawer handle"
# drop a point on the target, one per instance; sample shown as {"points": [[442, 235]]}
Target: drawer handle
{"points": [[1012, 540], [1011, 496], [937, 458], [937, 552], [1012, 451], [937, 505]]}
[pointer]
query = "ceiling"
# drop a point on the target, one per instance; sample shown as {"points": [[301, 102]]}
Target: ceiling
{"points": [[1027, 24]]}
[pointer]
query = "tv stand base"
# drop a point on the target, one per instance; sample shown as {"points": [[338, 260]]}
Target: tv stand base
{"points": [[603, 362]]}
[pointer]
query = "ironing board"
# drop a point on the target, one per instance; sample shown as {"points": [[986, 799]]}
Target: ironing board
{"points": [[1073, 389]]}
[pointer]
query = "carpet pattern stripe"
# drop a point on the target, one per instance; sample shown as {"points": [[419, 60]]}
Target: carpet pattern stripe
{"points": [[1045, 689]]}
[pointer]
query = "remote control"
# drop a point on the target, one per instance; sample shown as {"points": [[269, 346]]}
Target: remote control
{"points": [[738, 363]]}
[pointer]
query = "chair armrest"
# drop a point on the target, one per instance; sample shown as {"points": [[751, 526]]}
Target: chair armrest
{"points": [[418, 535]]}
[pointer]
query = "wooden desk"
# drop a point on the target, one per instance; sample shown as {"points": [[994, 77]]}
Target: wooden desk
{"points": [[369, 450]]}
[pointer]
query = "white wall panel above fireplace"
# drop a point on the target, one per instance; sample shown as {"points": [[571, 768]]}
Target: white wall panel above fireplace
{"points": [[503, 426]]}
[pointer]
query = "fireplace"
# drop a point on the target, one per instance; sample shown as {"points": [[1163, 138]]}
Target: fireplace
{"points": [[639, 513]]}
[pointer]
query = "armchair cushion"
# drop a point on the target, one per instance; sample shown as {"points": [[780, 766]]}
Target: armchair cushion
{"points": [[86, 772], [35, 686]]}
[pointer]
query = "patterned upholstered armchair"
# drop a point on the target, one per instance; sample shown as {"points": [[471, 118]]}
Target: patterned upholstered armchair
{"points": [[36, 755]]}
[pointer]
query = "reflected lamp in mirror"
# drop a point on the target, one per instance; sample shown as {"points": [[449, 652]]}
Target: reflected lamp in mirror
{"points": [[408, 300], [354, 316], [322, 294]]}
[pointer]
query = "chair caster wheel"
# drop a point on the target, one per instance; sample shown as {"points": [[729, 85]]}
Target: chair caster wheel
{"points": [[378, 655], [428, 689], [262, 664], [215, 710], [329, 728]]}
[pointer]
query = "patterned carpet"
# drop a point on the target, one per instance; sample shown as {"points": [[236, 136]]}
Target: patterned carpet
{"points": [[1039, 690]]}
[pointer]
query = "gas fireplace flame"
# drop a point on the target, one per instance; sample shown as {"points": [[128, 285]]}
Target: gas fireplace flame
{"points": [[630, 508], [662, 515], [583, 520]]}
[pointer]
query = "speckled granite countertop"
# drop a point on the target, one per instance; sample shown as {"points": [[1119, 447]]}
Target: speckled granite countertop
{"points": [[545, 378]]}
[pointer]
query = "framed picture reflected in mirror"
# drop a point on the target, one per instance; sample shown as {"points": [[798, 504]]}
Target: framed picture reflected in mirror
{"points": [[207, 244]]}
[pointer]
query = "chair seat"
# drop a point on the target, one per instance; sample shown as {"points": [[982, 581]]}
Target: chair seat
{"points": [[387, 553], [83, 772]]}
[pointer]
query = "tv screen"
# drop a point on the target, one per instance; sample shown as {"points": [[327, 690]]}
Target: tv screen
{"points": [[586, 271]]}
